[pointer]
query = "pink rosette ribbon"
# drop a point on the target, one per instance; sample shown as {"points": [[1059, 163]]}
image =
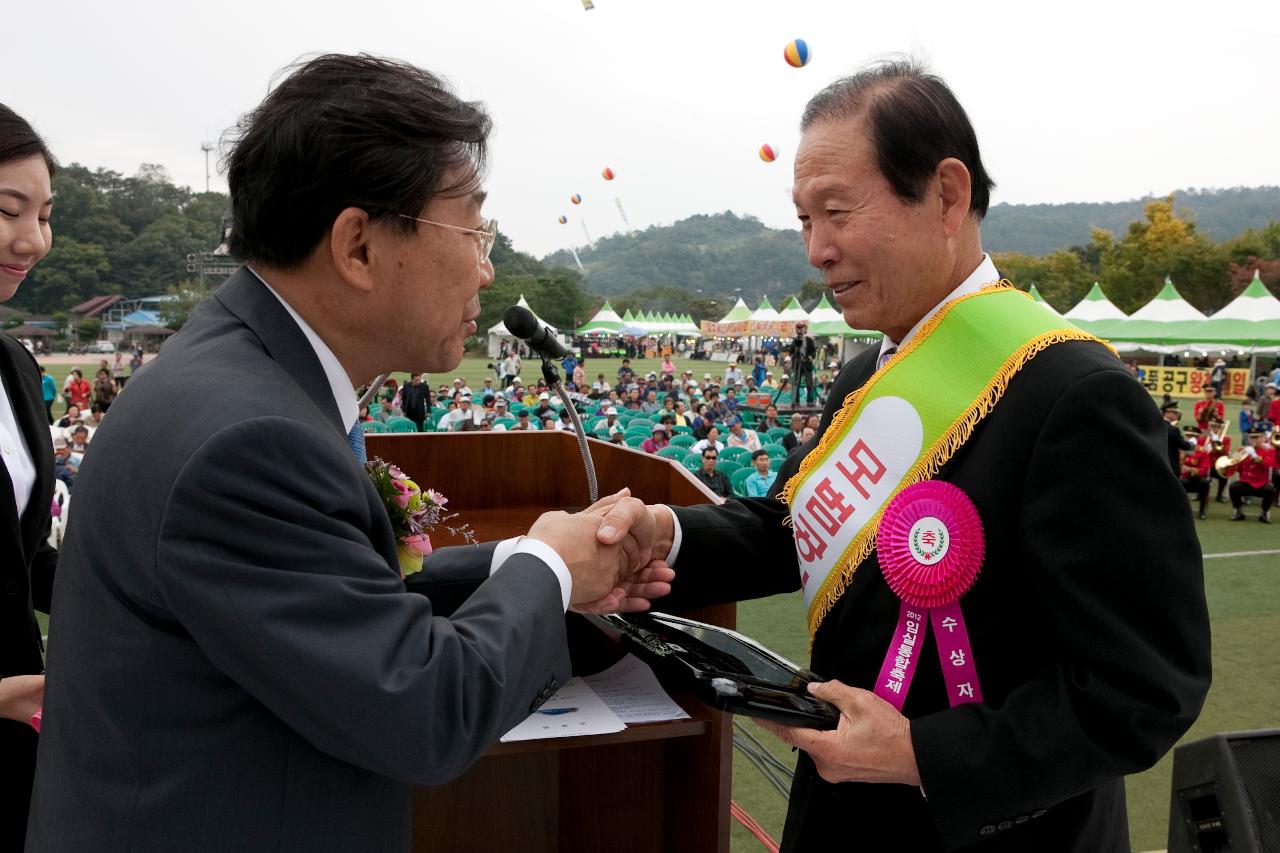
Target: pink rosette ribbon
{"points": [[930, 546]]}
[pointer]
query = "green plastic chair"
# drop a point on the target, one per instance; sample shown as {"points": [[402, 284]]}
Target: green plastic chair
{"points": [[372, 426], [777, 434], [776, 451], [732, 452], [692, 461], [775, 462], [374, 409], [727, 466], [670, 452], [738, 481], [683, 440], [506, 423], [635, 440], [683, 430], [401, 425]]}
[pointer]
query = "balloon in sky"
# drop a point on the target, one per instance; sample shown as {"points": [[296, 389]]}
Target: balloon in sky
{"points": [[575, 198], [563, 219], [796, 53], [607, 174], [768, 153]]}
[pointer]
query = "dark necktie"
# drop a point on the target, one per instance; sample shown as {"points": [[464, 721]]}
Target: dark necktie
{"points": [[885, 356], [355, 438]]}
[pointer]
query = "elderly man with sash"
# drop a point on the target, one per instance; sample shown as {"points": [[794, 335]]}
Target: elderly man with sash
{"points": [[1004, 640]]}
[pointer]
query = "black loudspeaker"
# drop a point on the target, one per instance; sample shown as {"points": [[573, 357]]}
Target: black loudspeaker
{"points": [[1226, 794]]}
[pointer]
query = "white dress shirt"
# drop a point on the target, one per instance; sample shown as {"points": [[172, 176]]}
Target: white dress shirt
{"points": [[16, 454], [344, 395]]}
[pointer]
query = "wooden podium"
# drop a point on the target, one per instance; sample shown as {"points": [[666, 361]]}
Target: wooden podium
{"points": [[654, 788]]}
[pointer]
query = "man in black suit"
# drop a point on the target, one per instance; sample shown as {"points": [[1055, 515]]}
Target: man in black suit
{"points": [[1087, 624], [1175, 442], [714, 480], [413, 400], [791, 440], [242, 668]]}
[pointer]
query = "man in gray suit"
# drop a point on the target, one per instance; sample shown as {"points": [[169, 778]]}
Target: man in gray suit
{"points": [[237, 665]]}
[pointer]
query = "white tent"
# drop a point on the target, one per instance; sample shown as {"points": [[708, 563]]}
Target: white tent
{"points": [[766, 313], [793, 311], [499, 331]]}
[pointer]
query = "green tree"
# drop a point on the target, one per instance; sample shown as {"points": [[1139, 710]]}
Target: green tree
{"points": [[156, 258], [69, 274], [1061, 277], [188, 294], [89, 328], [1163, 243]]}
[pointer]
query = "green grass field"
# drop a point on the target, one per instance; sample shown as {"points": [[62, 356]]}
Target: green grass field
{"points": [[1244, 603]]}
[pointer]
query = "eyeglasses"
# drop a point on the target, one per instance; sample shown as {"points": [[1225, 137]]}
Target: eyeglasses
{"points": [[710, 457], [488, 232]]}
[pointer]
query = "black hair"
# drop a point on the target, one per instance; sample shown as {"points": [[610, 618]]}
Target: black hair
{"points": [[761, 452], [18, 141], [347, 131], [914, 122]]}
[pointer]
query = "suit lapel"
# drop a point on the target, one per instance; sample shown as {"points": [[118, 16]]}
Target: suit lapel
{"points": [[245, 296], [22, 384]]}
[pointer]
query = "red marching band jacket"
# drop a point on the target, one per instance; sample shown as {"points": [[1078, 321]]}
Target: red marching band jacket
{"points": [[1201, 459], [1256, 470]]}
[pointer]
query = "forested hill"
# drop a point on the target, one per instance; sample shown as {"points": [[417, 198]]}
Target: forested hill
{"points": [[723, 252], [713, 254], [1036, 229]]}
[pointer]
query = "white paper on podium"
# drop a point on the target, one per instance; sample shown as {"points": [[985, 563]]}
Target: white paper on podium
{"points": [[574, 710], [632, 691]]}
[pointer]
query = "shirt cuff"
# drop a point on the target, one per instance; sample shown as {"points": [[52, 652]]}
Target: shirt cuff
{"points": [[676, 537], [507, 548]]}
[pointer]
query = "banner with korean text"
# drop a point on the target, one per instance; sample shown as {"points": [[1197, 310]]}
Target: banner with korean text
{"points": [[1191, 381]]}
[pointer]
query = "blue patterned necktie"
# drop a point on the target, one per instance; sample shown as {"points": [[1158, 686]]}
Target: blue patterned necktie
{"points": [[885, 356], [355, 438]]}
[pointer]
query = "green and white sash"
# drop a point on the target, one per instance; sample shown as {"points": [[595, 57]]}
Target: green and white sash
{"points": [[903, 425]]}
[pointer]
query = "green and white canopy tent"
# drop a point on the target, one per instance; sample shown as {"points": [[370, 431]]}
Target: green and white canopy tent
{"points": [[766, 313], [1095, 312], [738, 313], [687, 327], [826, 321], [1167, 319], [793, 311], [1250, 322], [1035, 294], [605, 322]]}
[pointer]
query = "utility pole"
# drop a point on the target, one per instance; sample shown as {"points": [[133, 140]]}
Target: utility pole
{"points": [[206, 147]]}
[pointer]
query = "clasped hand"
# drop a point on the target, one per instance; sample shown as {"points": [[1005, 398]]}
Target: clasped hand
{"points": [[609, 550]]}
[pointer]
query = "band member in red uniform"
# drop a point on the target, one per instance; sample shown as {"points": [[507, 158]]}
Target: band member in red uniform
{"points": [[1195, 469], [1217, 443], [1255, 476], [1209, 407]]}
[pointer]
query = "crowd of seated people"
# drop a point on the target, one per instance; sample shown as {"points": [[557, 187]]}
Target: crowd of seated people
{"points": [[675, 416]]}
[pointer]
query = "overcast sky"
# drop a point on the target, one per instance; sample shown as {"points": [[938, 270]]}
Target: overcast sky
{"points": [[1079, 101]]}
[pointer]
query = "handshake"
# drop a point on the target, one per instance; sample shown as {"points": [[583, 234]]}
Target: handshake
{"points": [[616, 551]]}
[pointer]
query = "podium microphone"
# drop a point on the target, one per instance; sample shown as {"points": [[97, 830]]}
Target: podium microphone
{"points": [[521, 323]]}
